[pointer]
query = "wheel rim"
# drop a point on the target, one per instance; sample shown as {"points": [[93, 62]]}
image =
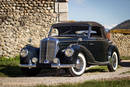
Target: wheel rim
{"points": [[80, 65], [114, 60]]}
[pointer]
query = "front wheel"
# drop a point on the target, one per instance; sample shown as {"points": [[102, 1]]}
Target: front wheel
{"points": [[112, 66], [80, 67]]}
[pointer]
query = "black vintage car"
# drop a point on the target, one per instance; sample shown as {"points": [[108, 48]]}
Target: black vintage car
{"points": [[72, 46]]}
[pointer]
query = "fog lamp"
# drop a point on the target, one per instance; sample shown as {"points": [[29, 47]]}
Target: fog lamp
{"points": [[56, 60], [34, 60]]}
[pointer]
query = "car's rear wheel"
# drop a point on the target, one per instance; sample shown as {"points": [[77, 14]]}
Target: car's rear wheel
{"points": [[30, 72], [113, 65], [80, 67]]}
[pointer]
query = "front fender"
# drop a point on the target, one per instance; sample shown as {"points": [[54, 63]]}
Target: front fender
{"points": [[88, 55], [32, 52]]}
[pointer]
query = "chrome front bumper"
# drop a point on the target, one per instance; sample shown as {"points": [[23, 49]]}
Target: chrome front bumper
{"points": [[28, 65], [62, 65], [58, 66]]}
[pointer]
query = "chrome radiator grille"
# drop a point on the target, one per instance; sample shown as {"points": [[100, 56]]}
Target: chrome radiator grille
{"points": [[48, 49]]}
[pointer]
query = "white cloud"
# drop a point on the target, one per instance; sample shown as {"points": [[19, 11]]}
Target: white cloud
{"points": [[110, 26]]}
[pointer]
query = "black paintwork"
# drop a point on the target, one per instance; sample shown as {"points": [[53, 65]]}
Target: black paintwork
{"points": [[95, 49], [33, 52]]}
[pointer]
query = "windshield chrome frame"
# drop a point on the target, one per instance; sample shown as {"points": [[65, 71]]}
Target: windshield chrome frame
{"points": [[50, 32], [90, 29], [88, 36]]}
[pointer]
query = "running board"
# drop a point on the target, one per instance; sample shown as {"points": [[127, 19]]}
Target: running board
{"points": [[100, 63]]}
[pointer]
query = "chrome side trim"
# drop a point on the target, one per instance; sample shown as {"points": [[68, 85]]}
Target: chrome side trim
{"points": [[28, 65], [62, 65]]}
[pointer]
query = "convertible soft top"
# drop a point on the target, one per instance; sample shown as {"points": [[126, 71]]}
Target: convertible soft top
{"points": [[87, 23]]}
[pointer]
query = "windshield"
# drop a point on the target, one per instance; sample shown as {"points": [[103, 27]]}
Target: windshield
{"points": [[69, 31]]}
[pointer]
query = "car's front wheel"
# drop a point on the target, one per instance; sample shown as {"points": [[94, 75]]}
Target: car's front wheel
{"points": [[113, 65], [80, 67]]}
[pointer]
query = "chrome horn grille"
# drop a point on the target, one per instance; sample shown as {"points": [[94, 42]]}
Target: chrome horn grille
{"points": [[48, 50]]}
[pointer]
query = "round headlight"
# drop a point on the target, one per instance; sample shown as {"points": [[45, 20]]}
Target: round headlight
{"points": [[24, 52], [34, 60], [69, 52]]}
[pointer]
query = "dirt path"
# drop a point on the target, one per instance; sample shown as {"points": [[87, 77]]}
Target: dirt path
{"points": [[53, 80]]}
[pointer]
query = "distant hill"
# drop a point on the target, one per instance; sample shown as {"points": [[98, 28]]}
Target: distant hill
{"points": [[123, 25]]}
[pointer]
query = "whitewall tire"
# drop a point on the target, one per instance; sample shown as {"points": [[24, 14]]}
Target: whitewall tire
{"points": [[113, 65], [80, 67]]}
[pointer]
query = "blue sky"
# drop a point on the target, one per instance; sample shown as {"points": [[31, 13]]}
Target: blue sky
{"points": [[107, 12]]}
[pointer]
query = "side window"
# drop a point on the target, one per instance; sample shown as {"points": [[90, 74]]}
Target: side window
{"points": [[96, 32]]}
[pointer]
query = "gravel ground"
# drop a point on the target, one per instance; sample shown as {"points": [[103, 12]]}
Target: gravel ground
{"points": [[61, 79]]}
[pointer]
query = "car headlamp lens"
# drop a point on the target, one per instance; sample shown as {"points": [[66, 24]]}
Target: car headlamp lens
{"points": [[69, 52], [34, 60], [24, 52]]}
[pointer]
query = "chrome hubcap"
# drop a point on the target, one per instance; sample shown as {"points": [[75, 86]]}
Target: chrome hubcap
{"points": [[114, 61], [79, 65]]}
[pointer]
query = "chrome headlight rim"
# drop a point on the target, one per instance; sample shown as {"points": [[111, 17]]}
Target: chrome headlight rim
{"points": [[69, 52], [24, 53]]}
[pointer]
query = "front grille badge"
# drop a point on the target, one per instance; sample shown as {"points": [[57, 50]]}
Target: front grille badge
{"points": [[46, 61]]}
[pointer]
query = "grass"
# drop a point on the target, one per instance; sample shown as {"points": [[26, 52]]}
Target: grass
{"points": [[9, 67], [125, 57], [9, 61], [114, 83], [127, 72]]}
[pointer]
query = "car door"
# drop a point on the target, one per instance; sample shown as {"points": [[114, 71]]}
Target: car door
{"points": [[97, 44]]}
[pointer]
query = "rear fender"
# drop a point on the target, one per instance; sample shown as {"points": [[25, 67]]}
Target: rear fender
{"points": [[113, 48]]}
